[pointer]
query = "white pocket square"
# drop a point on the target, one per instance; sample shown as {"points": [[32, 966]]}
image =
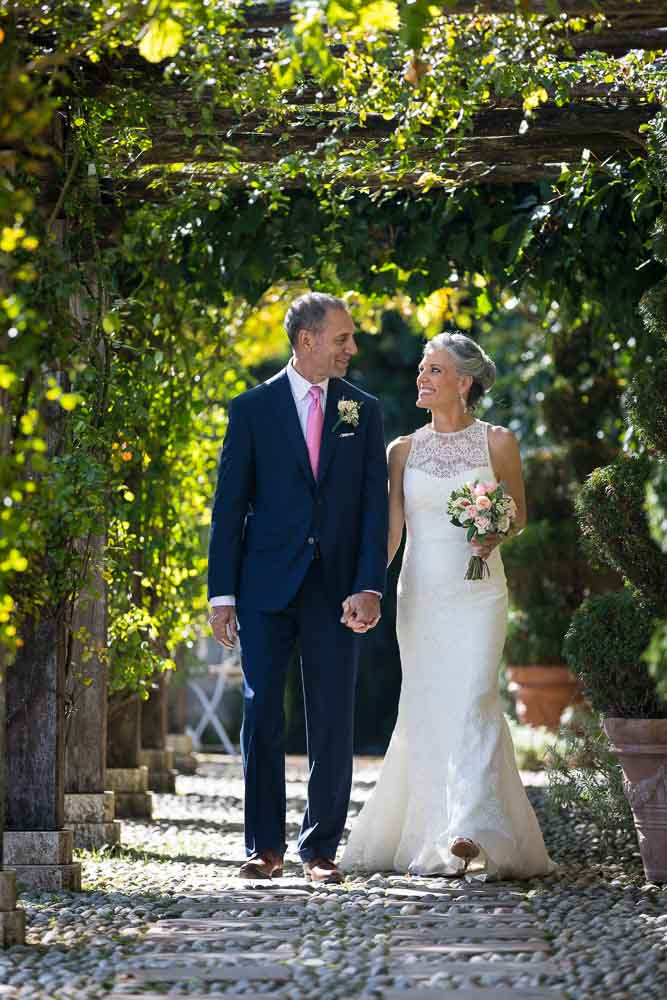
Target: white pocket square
{"points": [[350, 434]]}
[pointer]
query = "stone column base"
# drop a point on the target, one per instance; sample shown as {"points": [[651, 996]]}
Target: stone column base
{"points": [[12, 921], [130, 787], [42, 859], [161, 775], [90, 815], [184, 759]]}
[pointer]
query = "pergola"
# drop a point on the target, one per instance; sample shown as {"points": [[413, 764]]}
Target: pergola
{"points": [[495, 150], [498, 148]]}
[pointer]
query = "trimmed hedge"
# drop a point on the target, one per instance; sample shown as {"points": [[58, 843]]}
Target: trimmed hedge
{"points": [[611, 514], [646, 402], [604, 646]]}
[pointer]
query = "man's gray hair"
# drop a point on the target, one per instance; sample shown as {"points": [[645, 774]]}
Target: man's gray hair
{"points": [[308, 312]]}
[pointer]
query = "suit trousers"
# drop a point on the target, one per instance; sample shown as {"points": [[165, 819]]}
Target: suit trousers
{"points": [[329, 657]]}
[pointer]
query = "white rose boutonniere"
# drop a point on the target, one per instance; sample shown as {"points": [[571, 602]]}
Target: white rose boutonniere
{"points": [[348, 413]]}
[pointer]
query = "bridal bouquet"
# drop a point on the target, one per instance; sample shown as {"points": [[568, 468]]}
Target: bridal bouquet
{"points": [[482, 509]]}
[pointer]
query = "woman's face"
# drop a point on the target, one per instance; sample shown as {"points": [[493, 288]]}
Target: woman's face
{"points": [[438, 381]]}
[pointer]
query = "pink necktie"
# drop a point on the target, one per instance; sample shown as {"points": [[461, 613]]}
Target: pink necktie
{"points": [[314, 426]]}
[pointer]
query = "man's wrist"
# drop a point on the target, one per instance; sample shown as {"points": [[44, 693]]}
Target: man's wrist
{"points": [[226, 601]]}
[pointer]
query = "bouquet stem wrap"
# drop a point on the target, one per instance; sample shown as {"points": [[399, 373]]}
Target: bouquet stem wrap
{"points": [[477, 569]]}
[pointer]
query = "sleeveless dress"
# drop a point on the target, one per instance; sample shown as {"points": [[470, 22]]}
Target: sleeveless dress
{"points": [[450, 769]]}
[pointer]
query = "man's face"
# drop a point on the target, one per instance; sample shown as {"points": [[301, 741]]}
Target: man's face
{"points": [[330, 349]]}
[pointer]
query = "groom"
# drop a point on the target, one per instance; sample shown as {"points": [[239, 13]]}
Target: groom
{"points": [[298, 553]]}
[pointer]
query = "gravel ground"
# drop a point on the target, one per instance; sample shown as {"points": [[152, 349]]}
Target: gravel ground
{"points": [[594, 929]]}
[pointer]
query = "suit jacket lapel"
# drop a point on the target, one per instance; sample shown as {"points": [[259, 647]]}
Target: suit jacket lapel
{"points": [[290, 418], [329, 438]]}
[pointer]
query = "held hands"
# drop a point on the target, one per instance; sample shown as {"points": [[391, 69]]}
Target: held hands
{"points": [[361, 612], [223, 623]]}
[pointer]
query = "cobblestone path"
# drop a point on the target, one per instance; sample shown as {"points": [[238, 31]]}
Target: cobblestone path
{"points": [[168, 917]]}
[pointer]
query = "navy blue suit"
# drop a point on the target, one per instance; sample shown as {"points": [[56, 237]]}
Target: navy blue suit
{"points": [[291, 549]]}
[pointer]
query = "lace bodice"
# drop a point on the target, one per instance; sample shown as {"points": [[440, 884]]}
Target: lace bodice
{"points": [[447, 455]]}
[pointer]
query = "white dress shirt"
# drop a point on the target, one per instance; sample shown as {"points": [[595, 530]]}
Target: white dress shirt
{"points": [[300, 387]]}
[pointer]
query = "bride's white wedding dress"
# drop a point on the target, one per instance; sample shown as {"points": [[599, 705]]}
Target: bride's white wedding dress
{"points": [[450, 769]]}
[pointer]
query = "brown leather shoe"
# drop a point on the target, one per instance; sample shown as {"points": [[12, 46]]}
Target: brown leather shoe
{"points": [[323, 872], [262, 864]]}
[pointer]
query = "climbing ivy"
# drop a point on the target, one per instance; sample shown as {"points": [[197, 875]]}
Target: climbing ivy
{"points": [[121, 288]]}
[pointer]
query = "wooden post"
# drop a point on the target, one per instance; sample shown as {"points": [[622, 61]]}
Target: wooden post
{"points": [[35, 843], [12, 921], [125, 775], [154, 751], [89, 807], [178, 739]]}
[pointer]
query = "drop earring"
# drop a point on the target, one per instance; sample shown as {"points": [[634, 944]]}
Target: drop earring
{"points": [[464, 403]]}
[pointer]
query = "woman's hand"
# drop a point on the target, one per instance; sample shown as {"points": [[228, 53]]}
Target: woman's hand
{"points": [[485, 545]]}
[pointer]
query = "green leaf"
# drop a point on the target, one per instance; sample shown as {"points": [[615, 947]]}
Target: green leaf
{"points": [[161, 40]]}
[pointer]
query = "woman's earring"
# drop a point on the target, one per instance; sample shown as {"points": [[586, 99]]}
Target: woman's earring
{"points": [[464, 403]]}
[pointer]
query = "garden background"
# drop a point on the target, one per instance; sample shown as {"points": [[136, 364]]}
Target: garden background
{"points": [[173, 174]]}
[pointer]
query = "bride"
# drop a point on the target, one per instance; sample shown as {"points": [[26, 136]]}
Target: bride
{"points": [[449, 792]]}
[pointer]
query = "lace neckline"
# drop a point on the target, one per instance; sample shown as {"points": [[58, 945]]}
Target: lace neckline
{"points": [[449, 434], [450, 453]]}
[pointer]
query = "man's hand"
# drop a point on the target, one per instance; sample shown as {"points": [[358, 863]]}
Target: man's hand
{"points": [[223, 622], [361, 612]]}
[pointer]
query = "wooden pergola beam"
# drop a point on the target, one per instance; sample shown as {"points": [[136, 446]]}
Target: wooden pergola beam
{"points": [[648, 14], [554, 135], [161, 188]]}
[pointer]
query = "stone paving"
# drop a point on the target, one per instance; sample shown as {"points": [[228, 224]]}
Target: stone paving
{"points": [[165, 916]]}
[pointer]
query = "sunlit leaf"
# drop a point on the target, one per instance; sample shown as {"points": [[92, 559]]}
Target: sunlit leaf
{"points": [[161, 39]]}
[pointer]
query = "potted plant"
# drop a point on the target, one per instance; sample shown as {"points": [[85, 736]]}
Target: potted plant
{"points": [[606, 645], [548, 577]]}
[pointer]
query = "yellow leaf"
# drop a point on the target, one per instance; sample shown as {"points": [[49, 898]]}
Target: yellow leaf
{"points": [[161, 39], [30, 243], [489, 59], [381, 16], [28, 422], [128, 495], [7, 377], [9, 238], [69, 400], [428, 179]]}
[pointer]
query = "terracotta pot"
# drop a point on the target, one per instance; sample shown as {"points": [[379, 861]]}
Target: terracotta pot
{"points": [[641, 745], [543, 693]]}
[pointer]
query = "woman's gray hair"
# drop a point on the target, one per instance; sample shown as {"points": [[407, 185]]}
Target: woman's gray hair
{"points": [[308, 312], [469, 359]]}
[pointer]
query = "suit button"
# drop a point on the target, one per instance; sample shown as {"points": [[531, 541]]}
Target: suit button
{"points": [[311, 540]]}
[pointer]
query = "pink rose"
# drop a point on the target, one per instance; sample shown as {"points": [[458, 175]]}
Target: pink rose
{"points": [[467, 514], [480, 489], [463, 502], [483, 503]]}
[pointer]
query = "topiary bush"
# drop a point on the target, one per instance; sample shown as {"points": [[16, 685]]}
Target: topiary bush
{"points": [[656, 504], [548, 573], [610, 510], [646, 402], [604, 646]]}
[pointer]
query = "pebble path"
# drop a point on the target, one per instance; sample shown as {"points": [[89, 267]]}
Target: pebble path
{"points": [[166, 916]]}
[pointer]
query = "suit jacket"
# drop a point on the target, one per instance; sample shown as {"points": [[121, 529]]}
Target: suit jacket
{"points": [[270, 515]]}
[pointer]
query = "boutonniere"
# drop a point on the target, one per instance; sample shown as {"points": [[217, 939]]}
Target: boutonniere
{"points": [[348, 413]]}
